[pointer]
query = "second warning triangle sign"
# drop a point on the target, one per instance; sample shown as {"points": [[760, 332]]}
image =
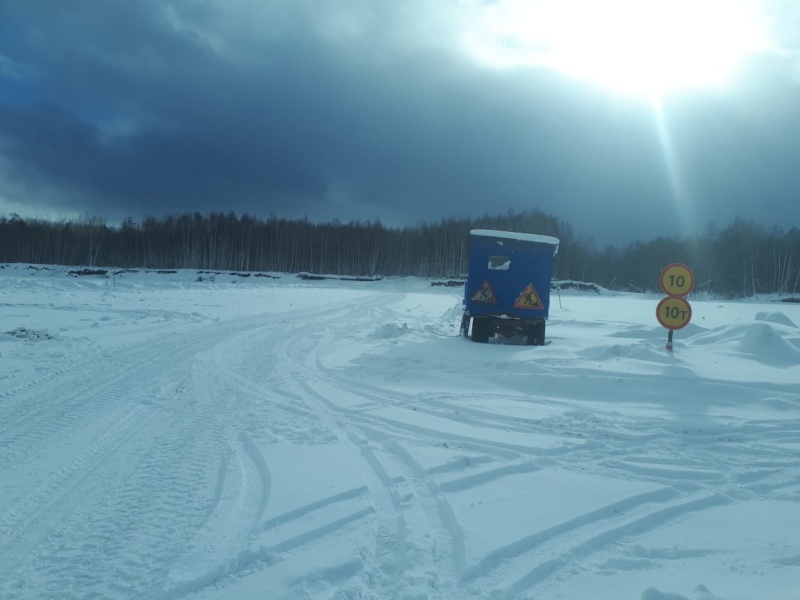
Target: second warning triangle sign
{"points": [[484, 294], [529, 299]]}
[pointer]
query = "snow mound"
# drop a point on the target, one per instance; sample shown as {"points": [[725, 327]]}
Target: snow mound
{"points": [[639, 333], [390, 331], [776, 317], [690, 330], [701, 592], [654, 594], [454, 314], [768, 345], [774, 344], [719, 335], [643, 351], [790, 561]]}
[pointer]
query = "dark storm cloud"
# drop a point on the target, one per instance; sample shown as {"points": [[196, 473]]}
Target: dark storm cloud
{"points": [[204, 132], [130, 108]]}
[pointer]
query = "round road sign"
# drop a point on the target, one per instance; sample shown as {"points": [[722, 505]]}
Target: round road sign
{"points": [[674, 312], [677, 280]]}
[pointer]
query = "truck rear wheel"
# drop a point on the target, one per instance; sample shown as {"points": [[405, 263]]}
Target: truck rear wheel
{"points": [[480, 330], [536, 334]]}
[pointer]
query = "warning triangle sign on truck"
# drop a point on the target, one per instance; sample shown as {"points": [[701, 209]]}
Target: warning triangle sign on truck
{"points": [[484, 294], [529, 299]]}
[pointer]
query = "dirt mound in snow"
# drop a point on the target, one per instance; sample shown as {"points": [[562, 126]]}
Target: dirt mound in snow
{"points": [[580, 286], [23, 333]]}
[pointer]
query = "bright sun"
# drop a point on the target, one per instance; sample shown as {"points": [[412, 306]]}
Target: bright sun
{"points": [[641, 47]]}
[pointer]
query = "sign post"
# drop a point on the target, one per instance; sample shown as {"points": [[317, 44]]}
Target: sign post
{"points": [[674, 312]]}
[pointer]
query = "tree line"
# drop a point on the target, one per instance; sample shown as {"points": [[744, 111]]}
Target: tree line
{"points": [[742, 259]]}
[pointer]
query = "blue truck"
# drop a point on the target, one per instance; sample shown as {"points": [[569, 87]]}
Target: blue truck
{"points": [[507, 291]]}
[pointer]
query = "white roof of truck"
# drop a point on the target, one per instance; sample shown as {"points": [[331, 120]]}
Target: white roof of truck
{"points": [[512, 235]]}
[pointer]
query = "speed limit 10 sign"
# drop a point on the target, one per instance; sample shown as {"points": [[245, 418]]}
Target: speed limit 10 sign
{"points": [[674, 312], [677, 280]]}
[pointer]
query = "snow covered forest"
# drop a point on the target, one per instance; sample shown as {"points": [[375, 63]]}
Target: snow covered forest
{"points": [[741, 259]]}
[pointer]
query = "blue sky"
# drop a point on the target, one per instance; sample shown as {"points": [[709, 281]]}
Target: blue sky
{"points": [[628, 123]]}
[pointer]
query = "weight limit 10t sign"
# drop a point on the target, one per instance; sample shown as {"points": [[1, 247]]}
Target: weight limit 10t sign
{"points": [[674, 312]]}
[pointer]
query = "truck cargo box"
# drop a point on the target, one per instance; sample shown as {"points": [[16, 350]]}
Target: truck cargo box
{"points": [[507, 291]]}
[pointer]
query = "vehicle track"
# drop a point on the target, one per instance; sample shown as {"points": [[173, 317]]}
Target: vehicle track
{"points": [[710, 466], [148, 487], [137, 490]]}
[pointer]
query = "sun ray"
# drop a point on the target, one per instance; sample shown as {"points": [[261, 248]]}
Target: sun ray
{"points": [[640, 47], [678, 189]]}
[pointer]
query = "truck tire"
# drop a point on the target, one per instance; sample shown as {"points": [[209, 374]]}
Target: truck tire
{"points": [[540, 337], [536, 334], [465, 325], [480, 330]]}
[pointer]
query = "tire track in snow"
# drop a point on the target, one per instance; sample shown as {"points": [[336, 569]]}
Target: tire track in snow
{"points": [[15, 406], [435, 530], [632, 528], [181, 490], [250, 561], [90, 404], [486, 576], [55, 411], [306, 509], [301, 375], [30, 516], [233, 371], [436, 538], [436, 526], [145, 494], [263, 473], [482, 576], [526, 549], [447, 552], [113, 522], [386, 560], [223, 544], [242, 487], [608, 442]]}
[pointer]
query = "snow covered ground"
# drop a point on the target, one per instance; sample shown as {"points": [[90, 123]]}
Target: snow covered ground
{"points": [[168, 438]]}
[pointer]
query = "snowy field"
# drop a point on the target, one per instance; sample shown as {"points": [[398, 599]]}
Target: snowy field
{"points": [[256, 438]]}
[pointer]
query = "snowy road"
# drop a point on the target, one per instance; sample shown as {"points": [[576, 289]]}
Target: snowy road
{"points": [[169, 439]]}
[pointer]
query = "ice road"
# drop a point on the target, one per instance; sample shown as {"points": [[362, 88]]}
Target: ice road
{"points": [[179, 436]]}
